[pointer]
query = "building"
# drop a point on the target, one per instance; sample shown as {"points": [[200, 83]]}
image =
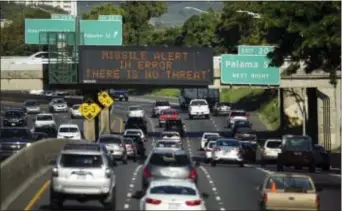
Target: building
{"points": [[68, 6]]}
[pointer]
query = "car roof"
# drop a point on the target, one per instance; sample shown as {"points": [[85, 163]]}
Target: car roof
{"points": [[169, 132], [168, 150], [133, 130], [288, 174], [210, 133], [238, 110], [173, 182], [273, 140], [110, 136], [44, 114], [167, 140], [59, 98], [16, 128], [134, 106], [227, 139], [82, 147], [68, 125], [81, 152]]}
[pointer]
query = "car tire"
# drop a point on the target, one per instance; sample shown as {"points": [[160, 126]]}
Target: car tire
{"points": [[262, 162], [111, 205], [280, 167], [124, 160], [241, 165], [206, 161], [160, 125], [126, 99], [213, 163], [120, 99], [135, 159], [326, 167], [55, 202], [190, 117], [207, 116]]}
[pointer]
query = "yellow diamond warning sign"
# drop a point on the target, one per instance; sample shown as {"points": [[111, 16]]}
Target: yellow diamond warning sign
{"points": [[89, 110]]}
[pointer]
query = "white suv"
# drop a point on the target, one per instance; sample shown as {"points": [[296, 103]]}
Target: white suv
{"points": [[199, 107], [83, 172]]}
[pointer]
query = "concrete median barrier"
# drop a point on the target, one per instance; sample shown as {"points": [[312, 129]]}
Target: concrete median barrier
{"points": [[19, 170]]}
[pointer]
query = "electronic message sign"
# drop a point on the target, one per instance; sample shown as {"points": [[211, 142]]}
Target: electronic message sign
{"points": [[138, 65]]}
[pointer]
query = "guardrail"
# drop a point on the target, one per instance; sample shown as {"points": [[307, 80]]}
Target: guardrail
{"points": [[26, 165]]}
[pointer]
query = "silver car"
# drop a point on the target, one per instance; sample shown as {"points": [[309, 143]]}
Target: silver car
{"points": [[227, 151], [83, 172], [31, 107], [131, 148], [115, 145], [168, 163], [58, 105], [168, 144]]}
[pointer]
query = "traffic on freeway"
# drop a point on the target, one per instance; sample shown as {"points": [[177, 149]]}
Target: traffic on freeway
{"points": [[178, 168]]}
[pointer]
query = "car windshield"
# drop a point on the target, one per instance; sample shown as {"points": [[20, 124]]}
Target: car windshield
{"points": [[244, 129], [241, 122], [135, 138], [68, 129], [162, 103], [75, 107], [238, 113], [168, 112], [222, 104], [207, 136], [288, 183], [273, 144], [135, 121], [228, 143], [30, 103], [134, 108], [50, 131], [198, 103], [173, 190], [60, 101], [167, 144], [13, 114], [110, 140], [15, 133], [44, 118], [169, 159], [173, 124], [298, 143], [81, 161]]}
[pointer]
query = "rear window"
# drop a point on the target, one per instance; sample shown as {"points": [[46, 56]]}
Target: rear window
{"points": [[238, 113], [110, 140], [173, 190], [128, 141], [167, 144], [135, 121], [68, 129], [162, 103], [290, 183], [75, 107], [169, 112], [273, 144], [81, 161], [244, 129], [30, 103], [198, 103], [44, 117], [228, 143], [298, 143], [135, 138], [59, 101], [133, 133], [210, 136], [134, 108], [210, 144], [169, 159]]}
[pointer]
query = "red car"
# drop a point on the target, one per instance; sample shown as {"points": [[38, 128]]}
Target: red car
{"points": [[167, 114]]}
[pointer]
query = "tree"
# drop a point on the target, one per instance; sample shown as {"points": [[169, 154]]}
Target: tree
{"points": [[199, 30], [103, 9], [304, 31], [166, 36]]}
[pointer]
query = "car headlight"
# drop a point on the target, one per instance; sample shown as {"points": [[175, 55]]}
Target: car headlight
{"points": [[28, 144]]}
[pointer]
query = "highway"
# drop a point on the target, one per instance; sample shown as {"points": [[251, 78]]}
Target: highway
{"points": [[228, 186]]}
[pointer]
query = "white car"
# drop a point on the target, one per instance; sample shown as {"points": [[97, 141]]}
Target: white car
{"points": [[135, 132], [205, 137], [69, 131], [199, 107], [58, 105], [44, 119], [208, 150], [75, 111], [159, 106], [167, 144], [172, 194], [135, 111]]}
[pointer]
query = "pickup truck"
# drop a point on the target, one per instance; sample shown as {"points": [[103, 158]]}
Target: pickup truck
{"points": [[199, 108]]}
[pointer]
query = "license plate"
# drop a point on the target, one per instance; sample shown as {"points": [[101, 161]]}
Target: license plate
{"points": [[13, 124], [297, 153], [173, 206], [81, 177]]}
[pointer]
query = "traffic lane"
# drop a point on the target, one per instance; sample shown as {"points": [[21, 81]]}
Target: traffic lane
{"points": [[235, 183]]}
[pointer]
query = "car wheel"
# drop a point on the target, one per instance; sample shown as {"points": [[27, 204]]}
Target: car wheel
{"points": [[126, 99], [190, 117], [160, 125], [55, 202], [120, 99], [206, 160], [112, 204], [124, 160], [326, 168], [280, 167], [207, 116], [241, 165], [135, 158], [213, 163], [262, 162]]}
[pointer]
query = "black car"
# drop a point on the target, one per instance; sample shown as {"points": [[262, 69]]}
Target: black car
{"points": [[49, 130], [136, 123], [13, 139], [322, 157], [175, 125], [139, 144], [249, 150], [119, 94], [14, 118], [245, 133]]}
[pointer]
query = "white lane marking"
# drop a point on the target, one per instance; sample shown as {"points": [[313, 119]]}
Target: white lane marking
{"points": [[131, 187], [215, 125], [152, 125], [213, 187]]}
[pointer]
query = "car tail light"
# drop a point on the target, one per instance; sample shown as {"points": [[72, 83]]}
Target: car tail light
{"points": [[192, 174], [121, 145], [318, 200], [55, 172], [108, 173], [147, 173], [208, 150], [265, 197], [217, 149], [152, 201], [193, 203]]}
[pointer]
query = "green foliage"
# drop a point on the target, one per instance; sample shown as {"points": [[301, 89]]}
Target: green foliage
{"points": [[269, 114], [103, 9]]}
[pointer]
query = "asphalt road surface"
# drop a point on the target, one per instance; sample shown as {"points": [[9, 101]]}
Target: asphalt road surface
{"points": [[228, 186]]}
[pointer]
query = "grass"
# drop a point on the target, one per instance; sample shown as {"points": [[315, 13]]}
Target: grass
{"points": [[269, 114], [165, 92], [235, 95]]}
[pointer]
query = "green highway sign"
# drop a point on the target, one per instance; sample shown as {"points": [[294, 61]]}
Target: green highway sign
{"points": [[110, 18], [33, 27], [101, 32], [248, 70], [254, 50], [62, 17]]}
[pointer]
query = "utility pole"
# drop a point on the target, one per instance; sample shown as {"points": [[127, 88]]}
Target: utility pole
{"points": [[305, 99]]}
